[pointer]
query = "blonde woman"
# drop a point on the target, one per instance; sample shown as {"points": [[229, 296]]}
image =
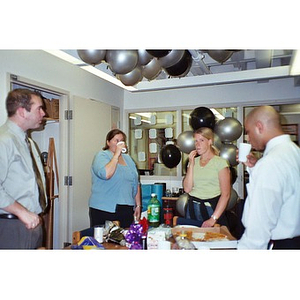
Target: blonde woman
{"points": [[207, 182]]}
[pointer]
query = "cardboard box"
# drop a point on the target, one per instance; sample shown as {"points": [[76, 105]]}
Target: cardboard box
{"points": [[52, 108], [231, 243]]}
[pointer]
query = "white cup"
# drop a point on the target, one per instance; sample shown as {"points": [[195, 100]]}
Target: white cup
{"points": [[98, 233], [123, 149], [244, 150]]}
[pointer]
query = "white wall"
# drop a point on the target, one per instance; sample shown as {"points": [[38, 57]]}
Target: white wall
{"points": [[42, 67], [279, 90]]}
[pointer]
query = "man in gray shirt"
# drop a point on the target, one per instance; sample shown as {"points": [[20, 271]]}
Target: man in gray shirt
{"points": [[20, 223]]}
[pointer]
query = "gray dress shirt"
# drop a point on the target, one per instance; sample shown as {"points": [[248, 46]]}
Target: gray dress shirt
{"points": [[17, 178]]}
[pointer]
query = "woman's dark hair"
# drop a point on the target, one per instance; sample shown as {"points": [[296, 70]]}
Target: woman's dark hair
{"points": [[111, 135], [19, 98]]}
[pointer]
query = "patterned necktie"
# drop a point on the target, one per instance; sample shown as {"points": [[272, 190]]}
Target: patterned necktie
{"points": [[38, 177]]}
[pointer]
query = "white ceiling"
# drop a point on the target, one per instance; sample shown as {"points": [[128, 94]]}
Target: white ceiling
{"points": [[243, 65]]}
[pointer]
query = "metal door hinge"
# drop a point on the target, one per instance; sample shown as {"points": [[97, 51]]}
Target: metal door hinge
{"points": [[68, 180], [68, 114]]}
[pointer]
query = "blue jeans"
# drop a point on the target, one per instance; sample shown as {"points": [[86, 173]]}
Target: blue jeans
{"points": [[201, 212], [197, 211]]}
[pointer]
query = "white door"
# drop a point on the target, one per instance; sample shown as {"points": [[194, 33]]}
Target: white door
{"points": [[89, 126]]}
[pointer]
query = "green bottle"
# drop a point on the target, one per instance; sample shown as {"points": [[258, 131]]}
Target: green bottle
{"points": [[153, 211]]}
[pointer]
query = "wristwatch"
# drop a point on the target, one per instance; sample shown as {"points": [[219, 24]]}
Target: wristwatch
{"points": [[214, 217]]}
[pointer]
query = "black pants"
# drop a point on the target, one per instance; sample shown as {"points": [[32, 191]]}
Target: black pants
{"points": [[123, 214], [293, 243], [15, 235]]}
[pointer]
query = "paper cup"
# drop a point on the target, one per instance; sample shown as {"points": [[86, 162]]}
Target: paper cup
{"points": [[244, 150], [98, 233], [123, 149]]}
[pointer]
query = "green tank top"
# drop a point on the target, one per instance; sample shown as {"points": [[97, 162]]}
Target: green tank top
{"points": [[206, 179]]}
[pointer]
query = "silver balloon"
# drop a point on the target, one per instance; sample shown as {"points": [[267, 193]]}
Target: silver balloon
{"points": [[228, 129], [92, 57], [220, 55], [122, 61], [186, 142], [131, 78], [232, 200], [181, 204], [152, 69], [172, 58], [228, 151], [144, 57], [217, 142]]}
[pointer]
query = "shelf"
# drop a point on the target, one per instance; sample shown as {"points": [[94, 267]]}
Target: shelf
{"points": [[50, 120]]}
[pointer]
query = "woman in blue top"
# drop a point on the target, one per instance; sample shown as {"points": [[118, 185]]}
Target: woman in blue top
{"points": [[115, 186]]}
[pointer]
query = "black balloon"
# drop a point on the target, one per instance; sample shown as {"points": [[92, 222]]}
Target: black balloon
{"points": [[170, 156], [158, 53], [182, 67], [202, 117]]}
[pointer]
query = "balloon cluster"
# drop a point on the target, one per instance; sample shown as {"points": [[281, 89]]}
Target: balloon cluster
{"points": [[131, 66], [226, 131]]}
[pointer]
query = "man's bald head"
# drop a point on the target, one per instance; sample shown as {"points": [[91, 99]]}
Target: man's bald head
{"points": [[267, 115], [262, 124]]}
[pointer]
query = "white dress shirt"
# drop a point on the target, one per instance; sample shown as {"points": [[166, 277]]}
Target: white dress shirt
{"points": [[272, 207], [17, 178]]}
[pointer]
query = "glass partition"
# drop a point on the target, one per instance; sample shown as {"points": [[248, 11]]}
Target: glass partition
{"points": [[149, 132]]}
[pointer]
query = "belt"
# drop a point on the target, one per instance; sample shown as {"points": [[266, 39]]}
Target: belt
{"points": [[8, 216]]}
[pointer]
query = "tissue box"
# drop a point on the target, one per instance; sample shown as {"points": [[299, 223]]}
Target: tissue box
{"points": [[157, 234]]}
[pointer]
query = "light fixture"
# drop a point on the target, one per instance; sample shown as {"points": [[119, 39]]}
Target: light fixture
{"points": [[65, 56], [295, 63], [107, 77]]}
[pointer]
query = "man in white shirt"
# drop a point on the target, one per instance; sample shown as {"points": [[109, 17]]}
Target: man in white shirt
{"points": [[271, 214], [20, 223]]}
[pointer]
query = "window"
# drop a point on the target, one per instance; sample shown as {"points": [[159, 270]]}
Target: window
{"points": [[149, 132]]}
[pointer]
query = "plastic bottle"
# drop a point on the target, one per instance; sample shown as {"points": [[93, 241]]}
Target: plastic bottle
{"points": [[168, 213], [153, 211], [183, 243]]}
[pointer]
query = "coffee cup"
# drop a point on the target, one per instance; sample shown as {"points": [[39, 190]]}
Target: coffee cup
{"points": [[123, 149], [244, 150]]}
